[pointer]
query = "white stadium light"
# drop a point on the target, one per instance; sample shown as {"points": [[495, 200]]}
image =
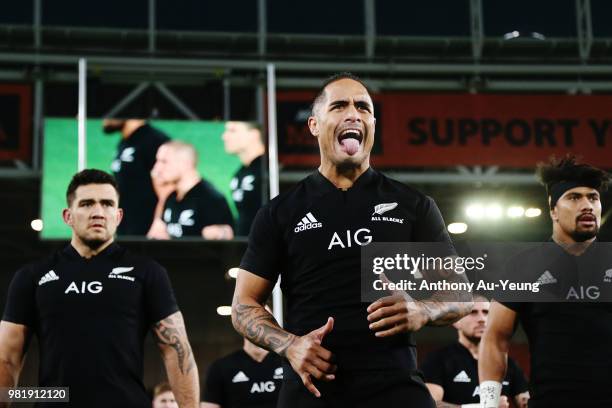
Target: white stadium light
{"points": [[233, 272], [457, 227], [515, 212], [533, 212], [37, 225], [224, 310], [475, 211], [494, 211]]}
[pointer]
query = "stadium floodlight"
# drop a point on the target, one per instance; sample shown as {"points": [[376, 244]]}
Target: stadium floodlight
{"points": [[494, 211], [37, 225], [533, 212], [224, 310], [457, 227], [475, 211], [515, 212], [233, 273]]}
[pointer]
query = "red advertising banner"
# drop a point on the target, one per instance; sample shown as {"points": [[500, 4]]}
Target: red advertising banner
{"points": [[15, 120], [463, 129]]}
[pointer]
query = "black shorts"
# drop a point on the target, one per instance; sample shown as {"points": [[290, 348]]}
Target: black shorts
{"points": [[367, 388]]}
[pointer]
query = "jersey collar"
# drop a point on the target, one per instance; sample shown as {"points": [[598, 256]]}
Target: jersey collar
{"points": [[322, 185], [70, 252]]}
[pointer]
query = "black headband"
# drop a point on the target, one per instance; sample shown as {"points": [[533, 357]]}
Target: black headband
{"points": [[557, 190]]}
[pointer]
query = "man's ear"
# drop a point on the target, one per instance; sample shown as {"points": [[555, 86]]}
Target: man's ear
{"points": [[119, 215], [553, 211], [67, 216], [313, 126]]}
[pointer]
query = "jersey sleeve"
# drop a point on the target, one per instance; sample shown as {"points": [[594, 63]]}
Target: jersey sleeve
{"points": [[21, 299], [216, 211], [518, 381], [433, 368], [159, 296], [429, 225], [213, 390], [265, 250]]}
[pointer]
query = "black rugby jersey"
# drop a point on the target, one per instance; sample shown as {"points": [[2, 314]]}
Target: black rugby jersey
{"points": [[456, 370], [132, 168], [569, 342], [202, 205], [247, 193], [91, 317], [238, 381], [312, 235]]}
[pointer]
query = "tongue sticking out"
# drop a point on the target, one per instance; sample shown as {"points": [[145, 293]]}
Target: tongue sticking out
{"points": [[350, 145]]}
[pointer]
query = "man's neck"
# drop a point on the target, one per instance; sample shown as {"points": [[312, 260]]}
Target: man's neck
{"points": [[343, 178], [568, 243], [471, 346], [256, 353], [248, 155], [84, 250], [131, 125], [186, 183]]}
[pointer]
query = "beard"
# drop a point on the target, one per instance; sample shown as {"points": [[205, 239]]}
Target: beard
{"points": [[94, 243], [581, 236]]}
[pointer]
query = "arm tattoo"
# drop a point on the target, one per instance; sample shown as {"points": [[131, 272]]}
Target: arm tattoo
{"points": [[445, 307], [170, 332], [259, 326]]}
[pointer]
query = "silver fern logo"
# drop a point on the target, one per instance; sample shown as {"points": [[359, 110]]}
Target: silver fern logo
{"points": [[382, 208]]}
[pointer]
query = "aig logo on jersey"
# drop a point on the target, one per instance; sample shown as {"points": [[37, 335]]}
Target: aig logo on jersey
{"points": [[382, 208], [308, 222], [82, 288]]}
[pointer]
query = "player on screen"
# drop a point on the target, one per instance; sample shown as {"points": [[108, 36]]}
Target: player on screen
{"points": [[132, 168], [569, 342], [339, 351], [195, 208], [91, 305], [244, 139]]}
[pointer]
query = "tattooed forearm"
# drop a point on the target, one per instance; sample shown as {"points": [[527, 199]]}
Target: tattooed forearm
{"points": [[170, 332], [260, 327], [446, 307]]}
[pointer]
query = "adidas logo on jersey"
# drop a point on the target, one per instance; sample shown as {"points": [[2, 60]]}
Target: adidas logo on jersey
{"points": [[462, 377], [308, 222], [546, 278], [240, 377], [48, 277]]}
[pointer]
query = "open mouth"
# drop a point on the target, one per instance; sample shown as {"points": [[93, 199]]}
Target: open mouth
{"points": [[350, 139]]}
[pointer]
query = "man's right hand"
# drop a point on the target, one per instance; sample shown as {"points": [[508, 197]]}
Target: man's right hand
{"points": [[309, 359]]}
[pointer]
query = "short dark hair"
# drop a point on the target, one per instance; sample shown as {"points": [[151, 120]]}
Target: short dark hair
{"points": [[89, 176], [335, 77], [568, 170], [161, 388]]}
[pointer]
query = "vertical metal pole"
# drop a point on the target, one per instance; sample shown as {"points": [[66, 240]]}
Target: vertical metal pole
{"points": [[37, 128], [584, 26], [227, 99], [277, 294], [37, 23], [476, 28], [152, 25], [82, 116], [262, 27], [370, 28]]}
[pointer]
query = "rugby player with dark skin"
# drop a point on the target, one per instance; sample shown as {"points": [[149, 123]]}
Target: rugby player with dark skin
{"points": [[576, 219], [343, 122]]}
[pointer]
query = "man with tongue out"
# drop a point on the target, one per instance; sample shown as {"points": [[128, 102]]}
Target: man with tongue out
{"points": [[338, 351]]}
